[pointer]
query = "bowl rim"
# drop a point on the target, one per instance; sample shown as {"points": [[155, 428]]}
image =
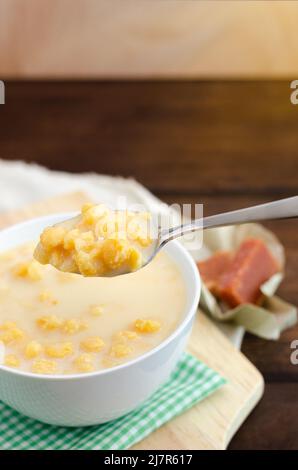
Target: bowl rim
{"points": [[102, 372]]}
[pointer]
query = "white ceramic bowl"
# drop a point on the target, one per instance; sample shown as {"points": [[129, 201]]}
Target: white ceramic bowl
{"points": [[97, 397]]}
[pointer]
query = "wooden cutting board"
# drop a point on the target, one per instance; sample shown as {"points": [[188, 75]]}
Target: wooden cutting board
{"points": [[211, 423]]}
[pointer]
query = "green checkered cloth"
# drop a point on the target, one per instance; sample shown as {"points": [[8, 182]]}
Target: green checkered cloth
{"points": [[190, 383]]}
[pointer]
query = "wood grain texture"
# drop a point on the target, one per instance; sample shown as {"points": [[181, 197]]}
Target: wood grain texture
{"points": [[212, 423], [178, 138], [195, 138], [273, 423], [141, 38]]}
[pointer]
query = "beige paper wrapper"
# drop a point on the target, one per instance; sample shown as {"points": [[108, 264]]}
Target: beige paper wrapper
{"points": [[274, 315]]}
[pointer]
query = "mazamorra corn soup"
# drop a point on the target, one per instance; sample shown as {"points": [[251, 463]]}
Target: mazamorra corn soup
{"points": [[53, 322]]}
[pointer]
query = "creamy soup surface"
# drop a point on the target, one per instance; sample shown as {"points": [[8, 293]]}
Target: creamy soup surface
{"points": [[60, 323]]}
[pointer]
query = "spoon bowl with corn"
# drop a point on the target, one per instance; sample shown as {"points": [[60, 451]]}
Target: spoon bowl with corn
{"points": [[103, 242]]}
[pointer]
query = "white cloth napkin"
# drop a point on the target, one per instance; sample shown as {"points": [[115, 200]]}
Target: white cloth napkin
{"points": [[22, 184]]}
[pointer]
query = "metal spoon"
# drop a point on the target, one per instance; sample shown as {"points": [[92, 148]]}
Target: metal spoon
{"points": [[282, 209]]}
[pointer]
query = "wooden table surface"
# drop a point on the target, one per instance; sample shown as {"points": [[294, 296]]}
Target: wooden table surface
{"points": [[223, 144]]}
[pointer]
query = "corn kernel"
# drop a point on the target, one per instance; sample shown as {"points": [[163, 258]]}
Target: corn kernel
{"points": [[10, 333], [58, 256], [33, 349], [126, 335], [70, 239], [140, 236], [59, 350], [29, 270], [84, 241], [135, 259], [119, 235], [98, 243], [86, 207], [92, 344], [52, 237], [106, 227], [44, 366], [85, 265], [47, 296], [92, 214], [41, 254], [84, 363], [67, 264], [11, 360], [88, 265], [114, 253], [120, 350], [49, 322], [73, 326], [147, 326]]}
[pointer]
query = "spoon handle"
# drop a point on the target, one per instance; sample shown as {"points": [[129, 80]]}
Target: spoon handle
{"points": [[282, 209]]}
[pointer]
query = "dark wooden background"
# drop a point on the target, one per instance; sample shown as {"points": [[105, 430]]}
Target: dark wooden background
{"points": [[223, 144]]}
